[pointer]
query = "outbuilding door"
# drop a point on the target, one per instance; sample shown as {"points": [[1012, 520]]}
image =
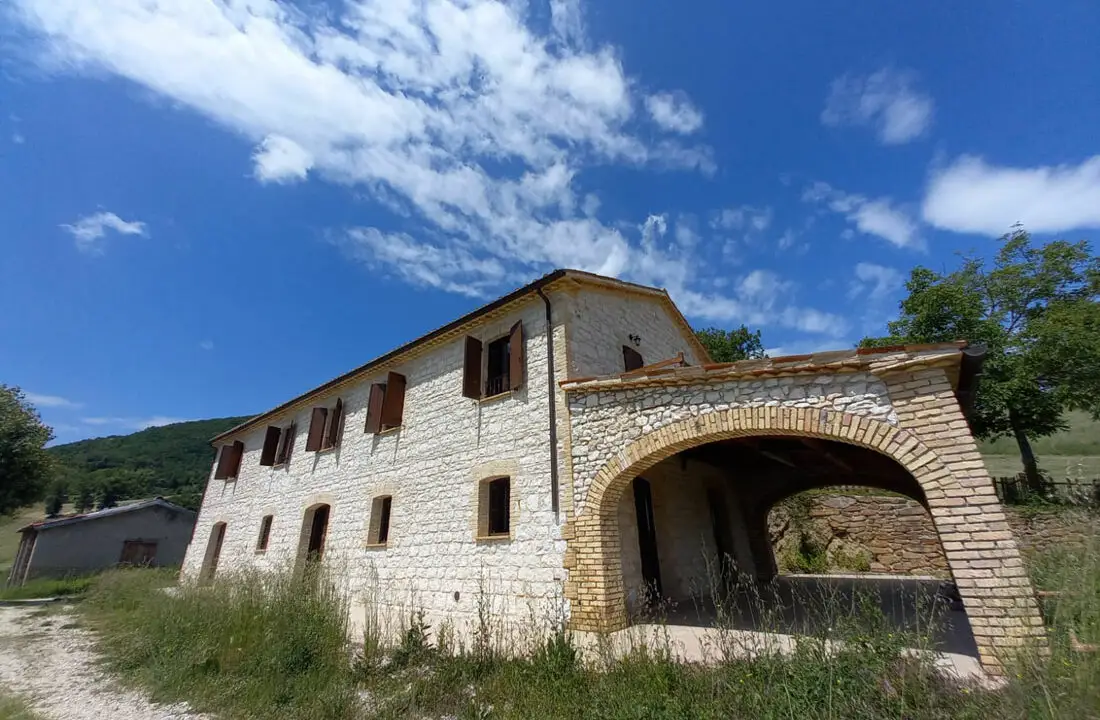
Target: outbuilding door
{"points": [[138, 552]]}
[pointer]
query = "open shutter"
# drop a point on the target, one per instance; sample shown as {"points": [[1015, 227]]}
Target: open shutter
{"points": [[632, 359], [316, 429], [291, 436], [517, 363], [236, 452], [374, 408], [335, 425], [271, 445], [222, 471], [393, 402], [471, 371]]}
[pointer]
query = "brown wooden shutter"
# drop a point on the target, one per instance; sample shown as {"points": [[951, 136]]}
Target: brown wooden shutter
{"points": [[471, 371], [316, 429], [632, 359], [236, 453], [223, 462], [393, 402], [292, 435], [374, 407], [335, 425], [517, 363], [271, 445]]}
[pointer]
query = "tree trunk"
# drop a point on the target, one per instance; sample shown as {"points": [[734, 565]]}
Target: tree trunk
{"points": [[1027, 456]]}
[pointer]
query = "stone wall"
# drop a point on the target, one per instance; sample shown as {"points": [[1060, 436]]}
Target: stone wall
{"points": [[1043, 530], [859, 533]]}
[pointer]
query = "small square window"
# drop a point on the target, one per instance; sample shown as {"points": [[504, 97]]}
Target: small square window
{"points": [[380, 520], [265, 533]]}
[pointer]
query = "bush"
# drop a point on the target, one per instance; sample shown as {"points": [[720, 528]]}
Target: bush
{"points": [[249, 645]]}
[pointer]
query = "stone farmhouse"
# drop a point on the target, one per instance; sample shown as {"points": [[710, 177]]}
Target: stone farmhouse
{"points": [[572, 445]]}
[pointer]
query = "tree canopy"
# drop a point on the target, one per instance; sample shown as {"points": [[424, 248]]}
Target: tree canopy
{"points": [[1034, 308], [25, 467], [731, 345]]}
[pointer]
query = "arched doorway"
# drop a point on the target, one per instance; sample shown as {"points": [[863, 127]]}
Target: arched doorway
{"points": [[213, 553], [968, 518], [311, 542]]}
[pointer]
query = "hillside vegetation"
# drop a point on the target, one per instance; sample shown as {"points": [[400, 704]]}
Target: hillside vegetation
{"points": [[172, 461]]}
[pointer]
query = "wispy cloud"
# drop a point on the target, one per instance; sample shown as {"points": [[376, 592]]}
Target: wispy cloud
{"points": [[50, 401], [206, 344], [880, 217], [875, 282], [972, 196], [131, 423], [886, 101], [91, 228], [674, 113]]}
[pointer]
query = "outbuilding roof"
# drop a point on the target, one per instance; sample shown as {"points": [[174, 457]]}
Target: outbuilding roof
{"points": [[108, 512]]}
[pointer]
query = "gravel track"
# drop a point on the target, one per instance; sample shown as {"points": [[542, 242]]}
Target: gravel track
{"points": [[49, 661]]}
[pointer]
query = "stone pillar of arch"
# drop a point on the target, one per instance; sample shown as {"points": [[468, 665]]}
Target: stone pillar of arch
{"points": [[930, 440]]}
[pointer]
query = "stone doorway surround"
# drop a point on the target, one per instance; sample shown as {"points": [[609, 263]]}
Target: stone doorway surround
{"points": [[906, 403]]}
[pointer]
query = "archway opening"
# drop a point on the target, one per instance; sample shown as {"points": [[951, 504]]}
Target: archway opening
{"points": [[696, 541], [311, 541], [213, 553]]}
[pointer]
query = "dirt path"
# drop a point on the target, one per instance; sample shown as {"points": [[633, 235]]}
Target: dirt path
{"points": [[48, 660]]}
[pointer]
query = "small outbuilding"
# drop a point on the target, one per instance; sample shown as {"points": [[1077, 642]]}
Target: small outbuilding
{"points": [[151, 533]]}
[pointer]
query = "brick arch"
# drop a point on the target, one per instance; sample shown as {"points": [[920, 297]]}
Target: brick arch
{"points": [[593, 556]]}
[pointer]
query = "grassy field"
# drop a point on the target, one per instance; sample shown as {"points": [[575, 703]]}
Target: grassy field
{"points": [[1073, 453], [14, 708]]}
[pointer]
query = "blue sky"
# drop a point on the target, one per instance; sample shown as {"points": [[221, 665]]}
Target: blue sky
{"points": [[208, 207]]}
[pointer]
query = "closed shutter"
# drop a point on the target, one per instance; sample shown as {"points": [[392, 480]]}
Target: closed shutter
{"points": [[271, 445], [236, 452], [632, 359], [517, 362], [291, 436], [393, 402], [222, 471], [335, 425], [374, 408], [316, 429], [471, 371]]}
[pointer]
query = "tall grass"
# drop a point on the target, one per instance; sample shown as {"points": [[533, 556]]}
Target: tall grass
{"points": [[48, 587], [275, 646]]}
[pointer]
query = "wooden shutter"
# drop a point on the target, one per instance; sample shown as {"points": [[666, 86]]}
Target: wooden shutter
{"points": [[223, 462], [236, 452], [316, 429], [517, 363], [471, 371], [632, 359], [335, 425], [393, 400], [374, 408], [271, 445], [292, 435]]}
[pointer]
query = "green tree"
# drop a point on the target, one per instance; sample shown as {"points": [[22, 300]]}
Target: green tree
{"points": [[1034, 307], [731, 345], [25, 467], [56, 497], [84, 497]]}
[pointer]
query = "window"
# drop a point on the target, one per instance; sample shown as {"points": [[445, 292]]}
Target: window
{"points": [[386, 404], [379, 533], [265, 533], [494, 511], [632, 359], [229, 461], [286, 444], [325, 427], [501, 363]]}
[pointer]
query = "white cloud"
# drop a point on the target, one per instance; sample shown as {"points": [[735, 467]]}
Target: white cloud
{"points": [[674, 113], [87, 230], [972, 196], [879, 282], [744, 217], [280, 159], [17, 139], [130, 423], [879, 217], [461, 117], [206, 344], [50, 401], [885, 101]]}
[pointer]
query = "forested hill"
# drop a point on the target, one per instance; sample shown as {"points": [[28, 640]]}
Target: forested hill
{"points": [[173, 461]]}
